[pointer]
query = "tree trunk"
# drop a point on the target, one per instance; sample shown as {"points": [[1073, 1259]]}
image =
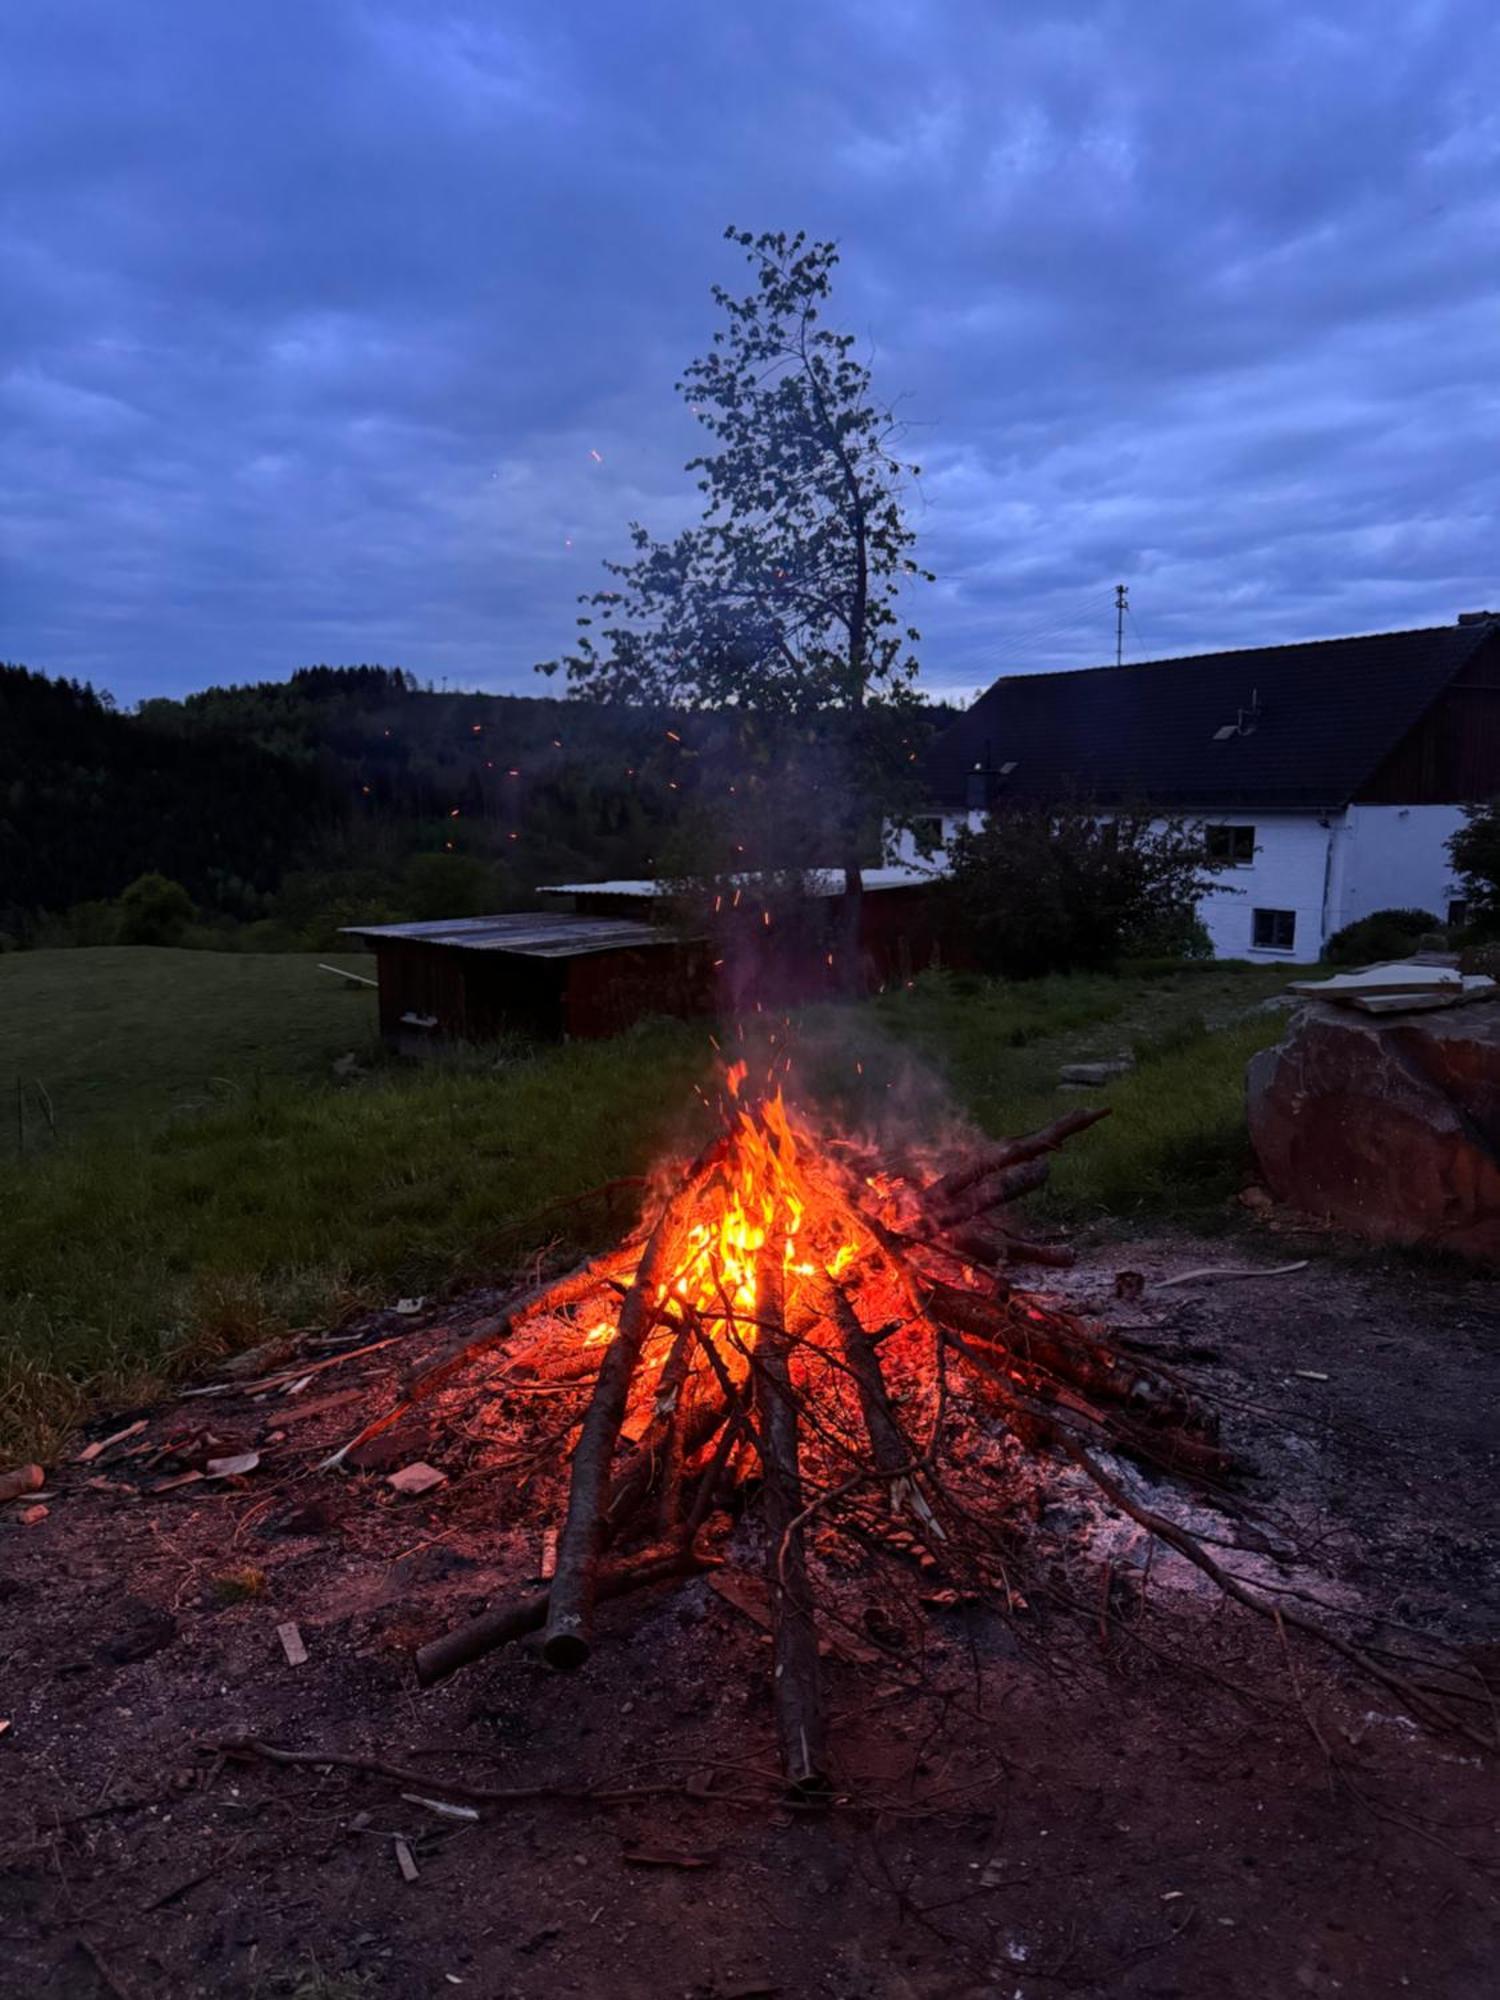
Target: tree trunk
{"points": [[848, 963]]}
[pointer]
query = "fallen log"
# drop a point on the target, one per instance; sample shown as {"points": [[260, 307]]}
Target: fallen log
{"points": [[499, 1625]]}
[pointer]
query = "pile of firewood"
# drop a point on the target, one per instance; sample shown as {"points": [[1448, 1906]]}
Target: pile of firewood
{"points": [[801, 1328], [752, 1334]]}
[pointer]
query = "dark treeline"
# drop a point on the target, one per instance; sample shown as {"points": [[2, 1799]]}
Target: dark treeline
{"points": [[90, 799], [347, 794]]}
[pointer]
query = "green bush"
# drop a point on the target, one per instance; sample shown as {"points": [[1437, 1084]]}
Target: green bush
{"points": [[1071, 889], [1382, 934], [154, 910]]}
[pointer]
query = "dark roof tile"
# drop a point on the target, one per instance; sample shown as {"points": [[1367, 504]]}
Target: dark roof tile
{"points": [[1322, 716]]}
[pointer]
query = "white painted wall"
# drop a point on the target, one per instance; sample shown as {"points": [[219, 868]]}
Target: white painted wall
{"points": [[1327, 870], [1395, 858], [1289, 872]]}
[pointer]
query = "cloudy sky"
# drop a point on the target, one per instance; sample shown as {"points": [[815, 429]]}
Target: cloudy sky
{"points": [[315, 312]]}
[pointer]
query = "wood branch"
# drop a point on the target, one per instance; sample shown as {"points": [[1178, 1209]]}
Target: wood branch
{"points": [[572, 1599], [1053, 1256], [1413, 1697], [714, 1477], [975, 1246], [502, 1623], [462, 1788], [888, 1444], [992, 1190], [1011, 1153], [796, 1689], [1033, 1338], [551, 1297], [688, 1414]]}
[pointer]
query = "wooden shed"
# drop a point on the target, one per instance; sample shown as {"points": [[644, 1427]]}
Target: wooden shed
{"points": [[904, 925], [470, 979]]}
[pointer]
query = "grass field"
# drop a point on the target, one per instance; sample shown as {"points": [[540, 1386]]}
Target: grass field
{"points": [[214, 1183], [123, 1036]]}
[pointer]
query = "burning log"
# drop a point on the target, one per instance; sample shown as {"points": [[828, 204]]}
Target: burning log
{"points": [[683, 1423], [570, 1612], [888, 1445], [795, 1681], [1041, 1341], [1053, 1256]]}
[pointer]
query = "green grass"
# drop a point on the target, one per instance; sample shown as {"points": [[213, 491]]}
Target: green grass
{"points": [[120, 1035], [156, 1236], [126, 1259], [1177, 1137]]}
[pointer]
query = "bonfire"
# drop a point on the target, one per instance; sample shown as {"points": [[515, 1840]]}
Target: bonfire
{"points": [[833, 1342]]}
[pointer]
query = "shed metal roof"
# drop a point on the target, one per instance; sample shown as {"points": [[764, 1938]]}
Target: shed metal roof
{"points": [[523, 933], [1290, 726], [818, 882]]}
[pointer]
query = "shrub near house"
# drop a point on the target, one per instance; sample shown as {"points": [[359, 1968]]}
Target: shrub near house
{"points": [[1038, 890]]}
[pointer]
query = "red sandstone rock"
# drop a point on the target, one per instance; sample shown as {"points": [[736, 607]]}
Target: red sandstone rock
{"points": [[1388, 1126]]}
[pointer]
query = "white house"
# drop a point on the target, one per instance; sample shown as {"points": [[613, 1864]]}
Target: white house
{"points": [[1329, 774]]}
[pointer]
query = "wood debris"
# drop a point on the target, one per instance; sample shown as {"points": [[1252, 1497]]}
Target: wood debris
{"points": [[92, 1451], [444, 1808], [417, 1478], [177, 1479], [25, 1479], [404, 1860], [234, 1467], [291, 1644]]}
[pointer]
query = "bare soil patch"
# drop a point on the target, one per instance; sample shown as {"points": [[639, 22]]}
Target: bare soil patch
{"points": [[1121, 1788]]}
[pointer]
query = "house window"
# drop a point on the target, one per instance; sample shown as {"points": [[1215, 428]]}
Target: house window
{"points": [[1234, 844], [1274, 930]]}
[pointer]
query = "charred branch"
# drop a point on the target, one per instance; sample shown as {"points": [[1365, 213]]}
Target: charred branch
{"points": [[570, 1612], [1011, 1153], [795, 1679]]}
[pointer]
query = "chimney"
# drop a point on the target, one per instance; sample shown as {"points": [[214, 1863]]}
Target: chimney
{"points": [[1478, 617]]}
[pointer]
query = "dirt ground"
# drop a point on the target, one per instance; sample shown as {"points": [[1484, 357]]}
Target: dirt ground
{"points": [[1125, 1789]]}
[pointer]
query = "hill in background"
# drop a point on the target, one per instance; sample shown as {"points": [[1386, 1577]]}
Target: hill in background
{"points": [[344, 794]]}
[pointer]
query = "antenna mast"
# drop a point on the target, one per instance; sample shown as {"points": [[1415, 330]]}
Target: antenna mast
{"points": [[1122, 605]]}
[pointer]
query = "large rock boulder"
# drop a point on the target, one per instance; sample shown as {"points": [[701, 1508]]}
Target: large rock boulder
{"points": [[1390, 1126]]}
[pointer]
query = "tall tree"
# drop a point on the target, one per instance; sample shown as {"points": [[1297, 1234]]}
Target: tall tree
{"points": [[785, 600]]}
